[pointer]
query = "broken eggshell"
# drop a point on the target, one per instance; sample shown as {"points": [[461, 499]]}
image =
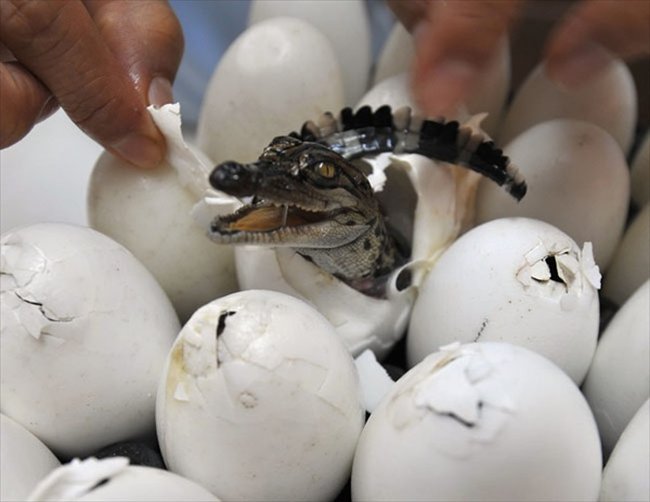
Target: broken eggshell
{"points": [[259, 400], [480, 422], [426, 202], [513, 280], [24, 460], [84, 335], [149, 213], [114, 479]]}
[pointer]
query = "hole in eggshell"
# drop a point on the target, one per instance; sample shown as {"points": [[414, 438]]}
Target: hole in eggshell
{"points": [[398, 201]]}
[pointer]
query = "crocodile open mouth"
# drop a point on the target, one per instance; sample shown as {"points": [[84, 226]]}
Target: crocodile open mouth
{"points": [[267, 218]]}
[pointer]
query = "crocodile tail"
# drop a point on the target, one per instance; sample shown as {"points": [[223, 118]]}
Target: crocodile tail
{"points": [[368, 132]]}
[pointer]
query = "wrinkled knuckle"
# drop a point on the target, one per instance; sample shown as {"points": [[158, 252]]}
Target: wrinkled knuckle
{"points": [[102, 114], [24, 21]]}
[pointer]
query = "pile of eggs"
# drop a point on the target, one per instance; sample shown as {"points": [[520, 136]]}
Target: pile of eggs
{"points": [[238, 364]]}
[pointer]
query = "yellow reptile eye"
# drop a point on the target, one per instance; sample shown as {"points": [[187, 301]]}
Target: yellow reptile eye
{"points": [[326, 170]]}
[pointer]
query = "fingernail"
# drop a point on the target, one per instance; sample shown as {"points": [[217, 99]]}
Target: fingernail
{"points": [[581, 64], [446, 85], [139, 150], [160, 91]]}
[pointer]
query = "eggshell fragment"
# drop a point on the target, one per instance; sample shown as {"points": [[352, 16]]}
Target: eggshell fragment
{"points": [[24, 460], [84, 334], [618, 381], [150, 213], [512, 280], [625, 477], [346, 26], [259, 400], [640, 174], [631, 262], [114, 479], [486, 421], [276, 75], [577, 179], [608, 101]]}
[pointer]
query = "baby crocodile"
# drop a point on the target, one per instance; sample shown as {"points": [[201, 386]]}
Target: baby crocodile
{"points": [[308, 195]]}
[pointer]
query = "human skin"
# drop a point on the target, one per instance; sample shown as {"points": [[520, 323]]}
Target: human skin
{"points": [[455, 41], [102, 61]]}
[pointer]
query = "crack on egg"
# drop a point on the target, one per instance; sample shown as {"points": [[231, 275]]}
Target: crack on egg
{"points": [[50, 316], [559, 271]]}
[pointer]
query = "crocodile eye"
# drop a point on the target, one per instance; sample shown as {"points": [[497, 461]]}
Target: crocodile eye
{"points": [[326, 170]]}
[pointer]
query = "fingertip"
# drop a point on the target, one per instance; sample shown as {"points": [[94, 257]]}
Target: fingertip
{"points": [[140, 150], [445, 86], [160, 91], [579, 65]]}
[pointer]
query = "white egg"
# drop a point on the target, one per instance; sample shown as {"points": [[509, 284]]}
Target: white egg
{"points": [[276, 75], [490, 95], [486, 421], [85, 332], [260, 401], [114, 479], [640, 174], [630, 265], [427, 201], [577, 179], [24, 460], [346, 26], [618, 381], [149, 212], [608, 101], [625, 478], [512, 280]]}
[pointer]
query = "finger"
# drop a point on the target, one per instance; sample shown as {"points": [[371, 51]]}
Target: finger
{"points": [[585, 41], [409, 12], [147, 40], [454, 46], [24, 101], [58, 42]]}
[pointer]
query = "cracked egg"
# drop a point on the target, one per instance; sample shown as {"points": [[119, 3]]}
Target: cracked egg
{"points": [[426, 204], [513, 280], [114, 479], [483, 421], [84, 336], [261, 390]]}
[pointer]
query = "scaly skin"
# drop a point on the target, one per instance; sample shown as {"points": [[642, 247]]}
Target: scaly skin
{"points": [[309, 196]]}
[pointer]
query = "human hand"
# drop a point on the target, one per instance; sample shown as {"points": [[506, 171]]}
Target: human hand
{"points": [[102, 61], [456, 40]]}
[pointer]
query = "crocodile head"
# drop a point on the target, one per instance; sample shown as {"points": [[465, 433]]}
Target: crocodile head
{"points": [[307, 197]]}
